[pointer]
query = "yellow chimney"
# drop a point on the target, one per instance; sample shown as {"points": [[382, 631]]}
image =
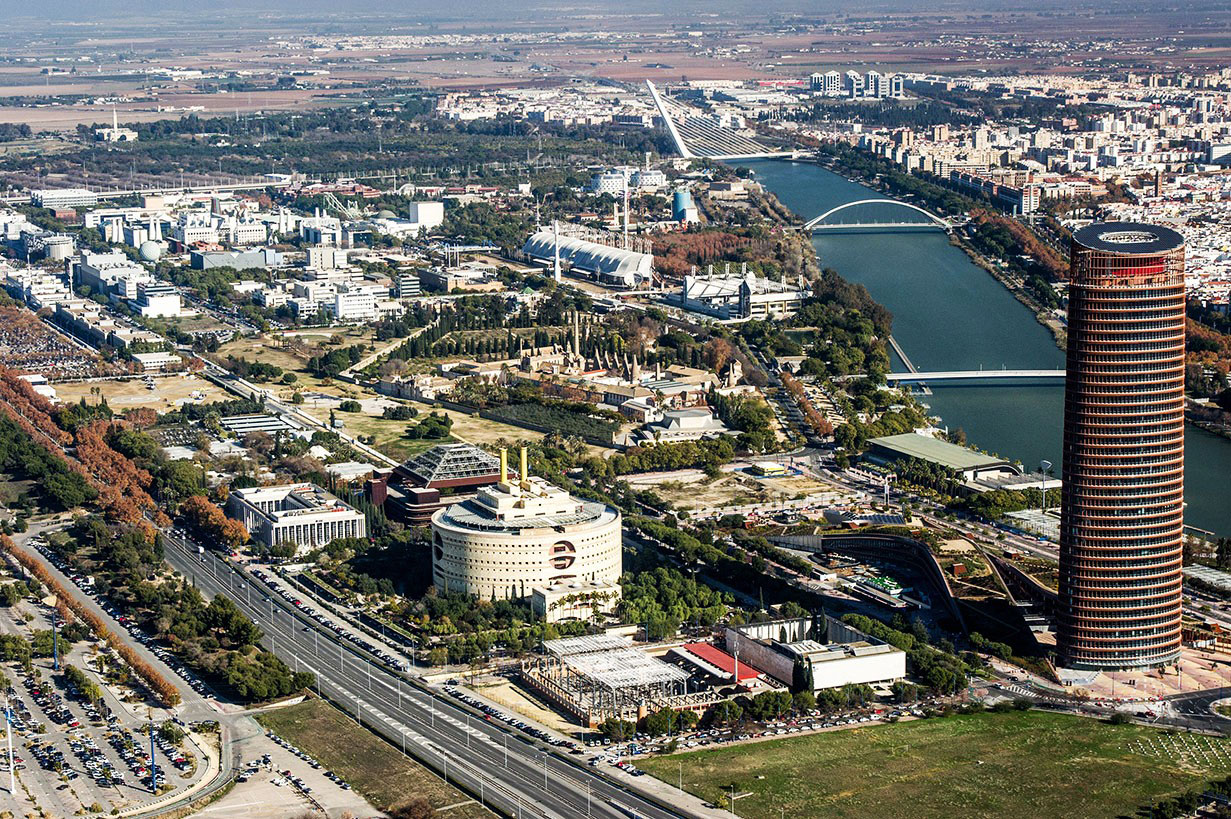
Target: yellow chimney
{"points": [[525, 470], [504, 465]]}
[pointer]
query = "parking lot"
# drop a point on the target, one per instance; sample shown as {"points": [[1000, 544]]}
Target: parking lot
{"points": [[81, 748], [277, 779]]}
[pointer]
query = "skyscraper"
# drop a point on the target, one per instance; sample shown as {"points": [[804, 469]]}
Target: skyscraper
{"points": [[1122, 508]]}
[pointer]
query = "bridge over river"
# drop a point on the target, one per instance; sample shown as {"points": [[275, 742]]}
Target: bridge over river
{"points": [[974, 375]]}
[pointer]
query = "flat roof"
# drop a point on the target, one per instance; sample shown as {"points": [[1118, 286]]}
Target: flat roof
{"points": [[1128, 238], [938, 451]]}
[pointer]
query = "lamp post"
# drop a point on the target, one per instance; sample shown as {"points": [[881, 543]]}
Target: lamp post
{"points": [[1044, 467]]}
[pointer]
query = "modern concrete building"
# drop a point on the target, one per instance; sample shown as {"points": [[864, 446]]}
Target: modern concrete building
{"points": [[829, 652], [515, 537], [300, 513], [1122, 508]]}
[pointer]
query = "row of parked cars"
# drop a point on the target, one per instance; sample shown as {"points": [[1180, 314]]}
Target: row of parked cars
{"points": [[86, 585], [399, 663], [298, 782], [50, 703], [495, 713]]}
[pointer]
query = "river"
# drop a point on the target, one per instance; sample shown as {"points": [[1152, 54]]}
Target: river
{"points": [[949, 314]]}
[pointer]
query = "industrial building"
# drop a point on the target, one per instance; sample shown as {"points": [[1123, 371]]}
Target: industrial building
{"points": [[300, 513], [969, 464], [515, 537], [260, 259], [596, 677], [1122, 504]]}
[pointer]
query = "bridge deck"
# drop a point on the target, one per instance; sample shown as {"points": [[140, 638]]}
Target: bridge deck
{"points": [[972, 375]]}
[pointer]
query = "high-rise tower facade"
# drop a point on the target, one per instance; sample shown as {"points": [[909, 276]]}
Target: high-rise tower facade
{"points": [[1122, 509]]}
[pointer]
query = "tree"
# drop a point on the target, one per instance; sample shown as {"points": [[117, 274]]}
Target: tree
{"points": [[725, 713], [617, 730]]}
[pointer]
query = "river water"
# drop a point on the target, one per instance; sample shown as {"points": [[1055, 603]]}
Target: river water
{"points": [[949, 314]]}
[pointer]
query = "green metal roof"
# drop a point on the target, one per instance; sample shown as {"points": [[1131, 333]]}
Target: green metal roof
{"points": [[933, 449]]}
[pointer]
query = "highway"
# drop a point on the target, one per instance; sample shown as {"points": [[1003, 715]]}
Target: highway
{"points": [[508, 772]]}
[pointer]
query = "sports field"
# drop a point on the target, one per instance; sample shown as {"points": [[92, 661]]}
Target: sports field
{"points": [[1028, 764]]}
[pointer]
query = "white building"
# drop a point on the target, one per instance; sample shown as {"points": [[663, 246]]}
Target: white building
{"points": [[57, 198], [515, 537], [427, 215], [357, 302], [158, 301], [301, 513], [612, 181], [741, 297], [833, 653]]}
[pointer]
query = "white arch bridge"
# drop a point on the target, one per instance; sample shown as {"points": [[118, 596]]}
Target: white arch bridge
{"points": [[819, 222]]}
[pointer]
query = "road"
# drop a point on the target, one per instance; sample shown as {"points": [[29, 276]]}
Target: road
{"points": [[510, 773], [233, 383]]}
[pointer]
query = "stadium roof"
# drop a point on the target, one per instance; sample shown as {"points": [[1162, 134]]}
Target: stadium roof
{"points": [[926, 448], [610, 263]]}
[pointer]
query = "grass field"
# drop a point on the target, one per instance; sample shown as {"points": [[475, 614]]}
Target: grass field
{"points": [[1018, 764], [390, 436], [367, 762]]}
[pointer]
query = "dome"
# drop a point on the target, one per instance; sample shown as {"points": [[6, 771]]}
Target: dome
{"points": [[386, 214], [150, 251]]}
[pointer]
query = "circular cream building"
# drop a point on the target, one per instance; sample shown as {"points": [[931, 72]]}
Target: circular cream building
{"points": [[514, 538]]}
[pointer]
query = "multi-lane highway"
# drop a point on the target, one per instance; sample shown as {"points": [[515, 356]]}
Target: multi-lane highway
{"points": [[511, 773]]}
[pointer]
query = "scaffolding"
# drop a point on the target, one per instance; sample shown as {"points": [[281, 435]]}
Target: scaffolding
{"points": [[600, 676]]}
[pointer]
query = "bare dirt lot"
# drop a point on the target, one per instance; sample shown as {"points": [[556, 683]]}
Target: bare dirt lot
{"points": [[168, 393]]}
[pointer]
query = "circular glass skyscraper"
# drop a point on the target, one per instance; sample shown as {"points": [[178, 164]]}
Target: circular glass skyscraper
{"points": [[1122, 510]]}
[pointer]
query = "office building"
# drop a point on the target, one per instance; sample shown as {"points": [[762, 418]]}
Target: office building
{"points": [[1122, 509], [301, 513], [60, 198], [515, 537], [157, 300]]}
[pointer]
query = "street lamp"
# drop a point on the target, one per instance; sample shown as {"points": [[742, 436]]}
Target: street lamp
{"points": [[1044, 468]]}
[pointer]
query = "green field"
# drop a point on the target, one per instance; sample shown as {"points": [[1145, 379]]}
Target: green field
{"points": [[389, 436], [1028, 764], [375, 770]]}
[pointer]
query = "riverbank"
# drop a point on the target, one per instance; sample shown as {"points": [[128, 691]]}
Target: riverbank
{"points": [[1016, 287], [949, 314]]}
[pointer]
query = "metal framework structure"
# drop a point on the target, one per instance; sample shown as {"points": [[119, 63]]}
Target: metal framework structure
{"points": [[1122, 511], [601, 676]]}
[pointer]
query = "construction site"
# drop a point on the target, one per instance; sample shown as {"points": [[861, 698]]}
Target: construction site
{"points": [[596, 677]]}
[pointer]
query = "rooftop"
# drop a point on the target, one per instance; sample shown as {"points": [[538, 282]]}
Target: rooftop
{"points": [[451, 462], [944, 453], [1128, 238]]}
